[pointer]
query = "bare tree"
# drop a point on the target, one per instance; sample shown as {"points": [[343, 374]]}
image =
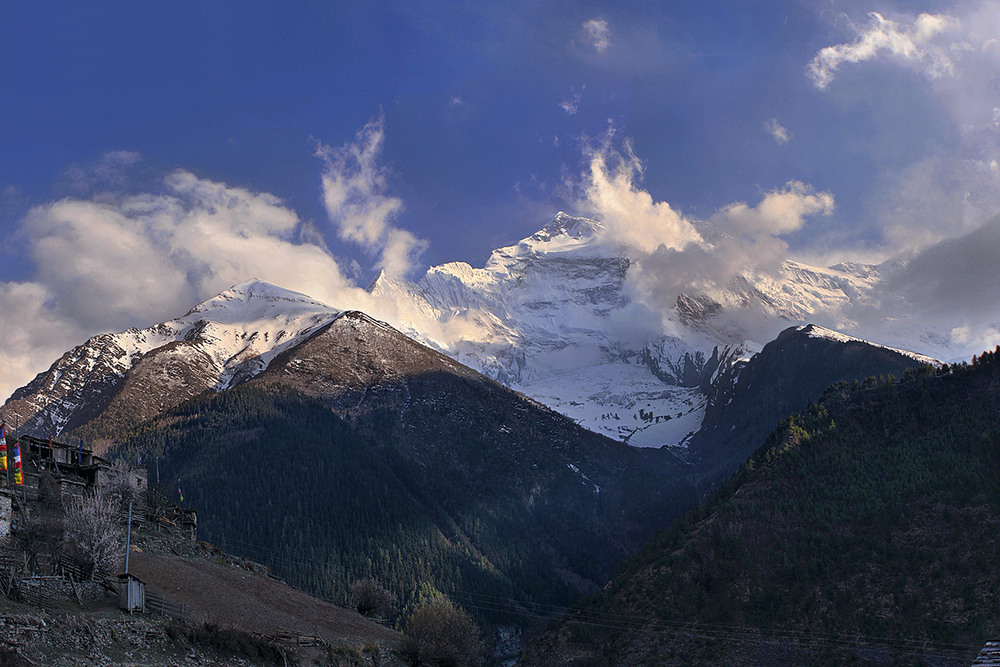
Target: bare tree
{"points": [[93, 531]]}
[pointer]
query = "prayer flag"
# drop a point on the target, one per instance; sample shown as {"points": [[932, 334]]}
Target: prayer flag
{"points": [[3, 446], [180, 493], [18, 475]]}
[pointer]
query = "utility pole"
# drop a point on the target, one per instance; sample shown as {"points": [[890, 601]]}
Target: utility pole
{"points": [[128, 538]]}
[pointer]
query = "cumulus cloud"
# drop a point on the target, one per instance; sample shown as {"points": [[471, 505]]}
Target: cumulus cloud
{"points": [[355, 196], [779, 133], [632, 218], [673, 255], [922, 44], [191, 241], [34, 335], [779, 212], [597, 34]]}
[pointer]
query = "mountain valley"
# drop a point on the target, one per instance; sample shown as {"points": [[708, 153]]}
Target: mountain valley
{"points": [[513, 465]]}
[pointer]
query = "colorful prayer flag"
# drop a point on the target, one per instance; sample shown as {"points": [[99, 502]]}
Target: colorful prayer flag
{"points": [[18, 475], [180, 493], [3, 446]]}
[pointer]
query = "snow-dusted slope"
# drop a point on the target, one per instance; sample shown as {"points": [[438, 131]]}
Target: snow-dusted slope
{"points": [[227, 339], [815, 331]]}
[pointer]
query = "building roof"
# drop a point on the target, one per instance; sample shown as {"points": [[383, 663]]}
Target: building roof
{"points": [[989, 656]]}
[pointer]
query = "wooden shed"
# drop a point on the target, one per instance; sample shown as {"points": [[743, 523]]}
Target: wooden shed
{"points": [[131, 593]]}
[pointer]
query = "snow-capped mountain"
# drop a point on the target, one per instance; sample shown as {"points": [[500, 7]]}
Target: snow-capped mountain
{"points": [[554, 317], [550, 316], [215, 345]]}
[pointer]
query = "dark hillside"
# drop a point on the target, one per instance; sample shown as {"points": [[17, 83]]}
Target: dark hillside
{"points": [[866, 529], [470, 489], [749, 400]]}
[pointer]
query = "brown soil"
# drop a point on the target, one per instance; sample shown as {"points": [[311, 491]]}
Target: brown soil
{"points": [[256, 603]]}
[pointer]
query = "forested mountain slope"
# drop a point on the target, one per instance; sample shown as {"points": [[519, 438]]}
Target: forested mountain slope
{"points": [[360, 453], [749, 398], [866, 529]]}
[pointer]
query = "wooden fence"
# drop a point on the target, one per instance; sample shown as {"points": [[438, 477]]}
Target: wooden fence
{"points": [[157, 604]]}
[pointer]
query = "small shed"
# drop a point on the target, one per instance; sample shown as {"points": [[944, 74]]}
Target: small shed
{"points": [[131, 593]]}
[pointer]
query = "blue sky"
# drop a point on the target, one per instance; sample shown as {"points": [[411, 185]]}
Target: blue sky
{"points": [[124, 123]]}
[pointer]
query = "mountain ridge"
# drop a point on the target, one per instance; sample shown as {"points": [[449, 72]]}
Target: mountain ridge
{"points": [[546, 317]]}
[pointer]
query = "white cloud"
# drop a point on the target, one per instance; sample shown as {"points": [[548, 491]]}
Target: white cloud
{"points": [[672, 254], [354, 193], [571, 104], [175, 248], [597, 33], [33, 334], [921, 44], [780, 133], [779, 212], [631, 217]]}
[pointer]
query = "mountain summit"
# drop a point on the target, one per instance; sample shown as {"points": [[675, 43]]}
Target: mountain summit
{"points": [[138, 373]]}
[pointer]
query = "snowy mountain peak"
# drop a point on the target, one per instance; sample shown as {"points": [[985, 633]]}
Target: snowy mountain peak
{"points": [[219, 343], [565, 227], [253, 299], [565, 234]]}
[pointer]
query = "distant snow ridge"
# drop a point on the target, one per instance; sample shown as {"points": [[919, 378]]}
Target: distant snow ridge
{"points": [[815, 331]]}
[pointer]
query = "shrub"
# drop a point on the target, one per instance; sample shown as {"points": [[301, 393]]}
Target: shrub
{"points": [[370, 599], [229, 641], [439, 632]]}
